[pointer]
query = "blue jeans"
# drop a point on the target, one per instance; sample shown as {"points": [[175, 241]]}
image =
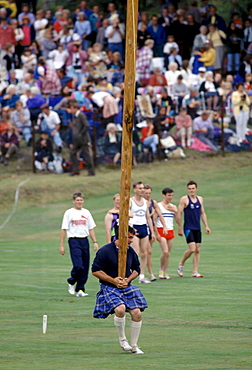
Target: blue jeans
{"points": [[56, 138], [233, 60], [26, 133], [151, 142], [205, 138], [79, 251], [210, 68], [116, 47]]}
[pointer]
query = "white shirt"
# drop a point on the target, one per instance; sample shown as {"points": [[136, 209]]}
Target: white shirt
{"points": [[139, 212], [77, 223], [168, 217], [169, 45], [116, 38], [52, 120]]}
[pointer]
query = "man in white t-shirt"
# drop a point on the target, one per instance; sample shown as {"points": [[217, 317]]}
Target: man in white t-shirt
{"points": [[49, 122], [77, 225], [115, 35]]}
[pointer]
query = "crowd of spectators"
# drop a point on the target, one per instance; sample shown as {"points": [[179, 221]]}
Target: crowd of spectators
{"points": [[190, 63]]}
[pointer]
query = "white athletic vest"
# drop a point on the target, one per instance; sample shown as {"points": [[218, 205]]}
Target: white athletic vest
{"points": [[168, 217], [139, 212]]}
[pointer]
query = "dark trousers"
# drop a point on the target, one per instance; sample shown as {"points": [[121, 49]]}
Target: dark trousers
{"points": [[88, 155], [79, 252]]}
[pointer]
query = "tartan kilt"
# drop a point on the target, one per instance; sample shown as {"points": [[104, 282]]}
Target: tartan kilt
{"points": [[108, 298]]}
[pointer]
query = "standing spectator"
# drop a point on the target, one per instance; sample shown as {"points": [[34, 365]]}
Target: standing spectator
{"points": [[47, 43], [200, 39], [217, 38], [142, 35], [58, 56], [241, 102], [164, 20], [76, 60], [203, 130], [40, 24], [247, 39], [94, 19], [234, 38], [215, 19], [28, 30], [59, 23], [7, 34], [83, 28], [21, 119], [158, 35], [98, 61], [194, 11], [9, 57], [115, 35], [48, 78], [184, 127], [9, 141], [77, 225], [19, 35], [28, 60], [192, 30], [101, 37], [26, 12], [208, 56], [49, 122], [81, 140], [180, 30], [144, 57], [84, 8]]}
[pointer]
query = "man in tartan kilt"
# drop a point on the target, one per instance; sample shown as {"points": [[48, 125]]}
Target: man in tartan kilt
{"points": [[116, 294]]}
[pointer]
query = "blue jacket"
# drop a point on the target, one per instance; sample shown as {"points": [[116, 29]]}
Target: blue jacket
{"points": [[160, 36]]}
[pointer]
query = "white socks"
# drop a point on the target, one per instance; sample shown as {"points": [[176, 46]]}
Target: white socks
{"points": [[141, 276], [120, 326], [135, 328]]}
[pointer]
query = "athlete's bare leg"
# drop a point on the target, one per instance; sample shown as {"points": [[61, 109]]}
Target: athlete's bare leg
{"points": [[149, 257], [191, 249], [143, 253], [196, 258], [166, 246], [135, 244]]}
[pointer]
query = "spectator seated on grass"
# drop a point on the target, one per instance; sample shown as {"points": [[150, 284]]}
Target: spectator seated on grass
{"points": [[44, 151], [9, 142]]}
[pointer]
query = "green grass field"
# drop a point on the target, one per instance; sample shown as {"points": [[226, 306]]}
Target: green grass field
{"points": [[190, 323]]}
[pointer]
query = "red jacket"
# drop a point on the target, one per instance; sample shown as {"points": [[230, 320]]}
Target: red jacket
{"points": [[7, 35], [83, 57]]}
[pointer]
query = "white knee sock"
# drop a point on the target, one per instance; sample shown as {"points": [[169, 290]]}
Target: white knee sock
{"points": [[135, 328], [120, 326]]}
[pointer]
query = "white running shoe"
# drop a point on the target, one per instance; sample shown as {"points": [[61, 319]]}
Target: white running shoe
{"points": [[153, 278], [137, 350], [71, 289], [197, 275], [80, 293], [125, 345], [144, 280], [180, 271]]}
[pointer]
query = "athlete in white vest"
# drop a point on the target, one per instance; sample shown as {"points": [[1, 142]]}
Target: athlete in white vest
{"points": [[169, 211], [140, 221]]}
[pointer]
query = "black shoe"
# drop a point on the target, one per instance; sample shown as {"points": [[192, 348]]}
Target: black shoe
{"points": [[59, 149], [74, 173], [29, 142], [1, 159], [6, 162], [90, 174]]}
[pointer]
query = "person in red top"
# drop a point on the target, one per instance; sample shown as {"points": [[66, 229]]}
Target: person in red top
{"points": [[7, 34], [157, 78], [28, 30], [148, 138]]}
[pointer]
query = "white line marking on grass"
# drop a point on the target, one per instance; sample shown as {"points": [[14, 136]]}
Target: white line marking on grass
{"points": [[15, 203]]}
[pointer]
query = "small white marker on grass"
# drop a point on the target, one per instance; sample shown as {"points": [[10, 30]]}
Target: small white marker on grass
{"points": [[44, 323]]}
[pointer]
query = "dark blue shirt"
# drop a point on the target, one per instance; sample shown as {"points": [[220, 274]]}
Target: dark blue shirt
{"points": [[106, 259], [192, 215]]}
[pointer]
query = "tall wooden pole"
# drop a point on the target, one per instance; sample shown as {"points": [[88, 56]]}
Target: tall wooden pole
{"points": [[128, 112]]}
